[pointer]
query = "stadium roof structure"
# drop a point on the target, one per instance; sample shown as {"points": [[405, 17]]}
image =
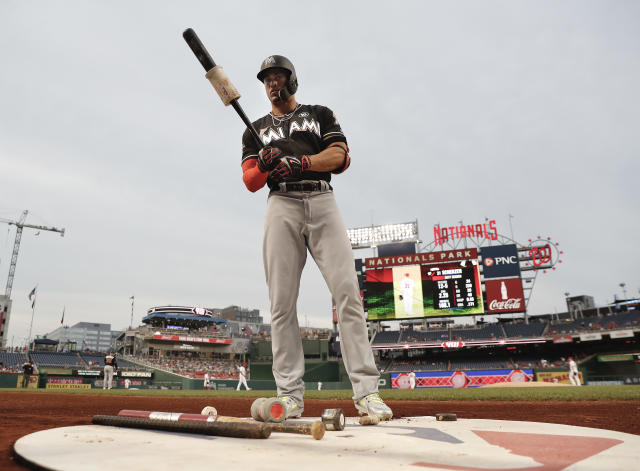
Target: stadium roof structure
{"points": [[45, 341], [180, 319], [181, 315]]}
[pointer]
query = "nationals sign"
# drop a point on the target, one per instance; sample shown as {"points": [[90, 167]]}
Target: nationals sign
{"points": [[504, 295], [422, 258]]}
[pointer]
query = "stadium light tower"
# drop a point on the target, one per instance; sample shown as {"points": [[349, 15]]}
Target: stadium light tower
{"points": [[372, 236], [624, 291]]}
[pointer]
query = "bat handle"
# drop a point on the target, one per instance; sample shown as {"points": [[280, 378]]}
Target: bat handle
{"points": [[198, 49], [247, 122]]}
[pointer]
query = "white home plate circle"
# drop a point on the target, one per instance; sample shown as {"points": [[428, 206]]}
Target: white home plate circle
{"points": [[410, 443]]}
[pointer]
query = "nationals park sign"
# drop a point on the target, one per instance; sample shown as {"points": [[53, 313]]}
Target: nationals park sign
{"points": [[422, 258]]}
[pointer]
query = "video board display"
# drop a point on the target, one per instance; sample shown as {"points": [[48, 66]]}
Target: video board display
{"points": [[446, 288]]}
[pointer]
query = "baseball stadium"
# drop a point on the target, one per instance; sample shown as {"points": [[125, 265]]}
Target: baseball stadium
{"points": [[183, 359]]}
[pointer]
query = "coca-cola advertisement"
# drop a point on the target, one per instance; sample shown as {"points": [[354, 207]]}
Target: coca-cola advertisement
{"points": [[504, 295]]}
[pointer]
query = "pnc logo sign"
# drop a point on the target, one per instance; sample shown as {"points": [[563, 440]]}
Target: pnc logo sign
{"points": [[500, 261], [490, 261]]}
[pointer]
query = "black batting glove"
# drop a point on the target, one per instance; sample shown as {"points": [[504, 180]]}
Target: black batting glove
{"points": [[290, 166], [268, 158]]}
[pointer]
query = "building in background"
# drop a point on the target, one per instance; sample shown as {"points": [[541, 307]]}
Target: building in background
{"points": [[240, 314], [86, 336]]}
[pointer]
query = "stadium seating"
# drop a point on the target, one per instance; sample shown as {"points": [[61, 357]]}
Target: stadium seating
{"points": [[12, 361], [192, 367], [403, 367], [485, 332], [478, 365], [419, 336], [388, 336], [522, 330], [57, 359]]}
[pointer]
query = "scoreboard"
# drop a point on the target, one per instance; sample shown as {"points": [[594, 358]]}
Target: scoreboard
{"points": [[454, 287], [434, 284]]}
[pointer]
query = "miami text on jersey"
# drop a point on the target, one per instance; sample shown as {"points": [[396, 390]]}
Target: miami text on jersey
{"points": [[273, 134]]}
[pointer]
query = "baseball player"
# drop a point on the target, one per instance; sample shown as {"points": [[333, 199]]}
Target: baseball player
{"points": [[242, 377], [27, 369], [110, 365], [574, 376], [407, 285], [412, 380], [302, 146], [206, 384]]}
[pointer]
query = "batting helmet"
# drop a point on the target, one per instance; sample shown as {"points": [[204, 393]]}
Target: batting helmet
{"points": [[281, 62]]}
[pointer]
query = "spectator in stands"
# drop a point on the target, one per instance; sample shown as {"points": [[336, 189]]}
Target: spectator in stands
{"points": [[27, 369]]}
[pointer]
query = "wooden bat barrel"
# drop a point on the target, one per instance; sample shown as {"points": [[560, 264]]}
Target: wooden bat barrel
{"points": [[315, 429], [222, 429]]}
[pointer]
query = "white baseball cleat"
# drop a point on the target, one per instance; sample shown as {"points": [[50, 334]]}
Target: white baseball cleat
{"points": [[292, 409], [373, 405]]}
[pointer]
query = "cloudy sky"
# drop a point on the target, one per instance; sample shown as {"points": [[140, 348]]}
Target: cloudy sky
{"points": [[453, 111]]}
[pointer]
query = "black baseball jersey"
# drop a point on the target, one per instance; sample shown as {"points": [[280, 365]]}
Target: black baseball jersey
{"points": [[308, 130]]}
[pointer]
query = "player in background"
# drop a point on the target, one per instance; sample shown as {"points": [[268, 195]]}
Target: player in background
{"points": [[242, 377], [412, 380], [574, 376], [110, 365], [205, 384], [407, 285], [302, 146], [27, 370], [127, 383]]}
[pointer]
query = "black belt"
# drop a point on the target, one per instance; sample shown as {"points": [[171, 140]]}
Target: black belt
{"points": [[307, 186]]}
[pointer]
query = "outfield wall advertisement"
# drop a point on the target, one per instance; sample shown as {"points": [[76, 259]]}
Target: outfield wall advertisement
{"points": [[461, 379]]}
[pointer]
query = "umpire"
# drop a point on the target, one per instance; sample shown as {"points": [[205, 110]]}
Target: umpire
{"points": [[302, 146]]}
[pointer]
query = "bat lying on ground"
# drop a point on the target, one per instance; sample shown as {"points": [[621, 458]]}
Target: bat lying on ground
{"points": [[222, 429], [315, 429]]}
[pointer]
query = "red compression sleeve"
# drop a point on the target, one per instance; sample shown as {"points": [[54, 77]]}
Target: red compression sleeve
{"points": [[252, 177]]}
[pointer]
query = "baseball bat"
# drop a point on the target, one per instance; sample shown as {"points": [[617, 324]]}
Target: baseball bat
{"points": [[220, 81], [315, 429], [221, 429]]}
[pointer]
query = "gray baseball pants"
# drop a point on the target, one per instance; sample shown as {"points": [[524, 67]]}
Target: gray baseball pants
{"points": [[295, 222]]}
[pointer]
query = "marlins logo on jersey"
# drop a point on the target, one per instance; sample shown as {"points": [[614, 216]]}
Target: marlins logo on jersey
{"points": [[295, 125]]}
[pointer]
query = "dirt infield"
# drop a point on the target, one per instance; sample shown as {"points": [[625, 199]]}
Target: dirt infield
{"points": [[24, 413]]}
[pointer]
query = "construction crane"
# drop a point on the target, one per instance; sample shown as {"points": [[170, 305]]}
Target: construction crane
{"points": [[20, 225]]}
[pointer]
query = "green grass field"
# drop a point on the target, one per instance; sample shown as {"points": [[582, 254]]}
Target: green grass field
{"points": [[585, 393]]}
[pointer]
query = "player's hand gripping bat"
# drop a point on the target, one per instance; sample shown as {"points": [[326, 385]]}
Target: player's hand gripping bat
{"points": [[218, 78]]}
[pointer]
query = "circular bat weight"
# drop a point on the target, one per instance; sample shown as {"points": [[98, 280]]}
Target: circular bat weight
{"points": [[333, 419], [273, 410], [256, 409], [209, 410], [446, 417]]}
